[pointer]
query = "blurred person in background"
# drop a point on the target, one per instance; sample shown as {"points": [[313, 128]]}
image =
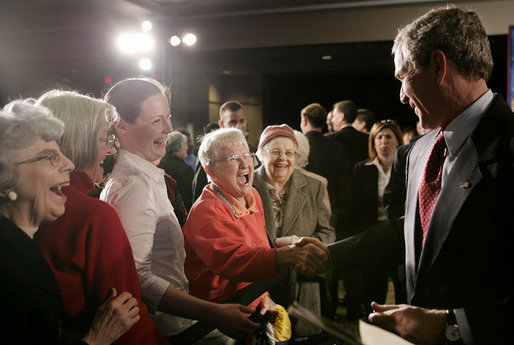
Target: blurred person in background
{"points": [[174, 165]]}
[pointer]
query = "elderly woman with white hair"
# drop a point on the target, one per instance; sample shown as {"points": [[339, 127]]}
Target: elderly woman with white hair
{"points": [[303, 159], [225, 237], [174, 165], [293, 206], [33, 173]]}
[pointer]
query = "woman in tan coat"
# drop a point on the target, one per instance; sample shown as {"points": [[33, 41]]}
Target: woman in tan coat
{"points": [[293, 208]]}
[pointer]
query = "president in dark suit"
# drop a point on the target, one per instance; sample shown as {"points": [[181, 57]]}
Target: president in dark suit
{"points": [[457, 235]]}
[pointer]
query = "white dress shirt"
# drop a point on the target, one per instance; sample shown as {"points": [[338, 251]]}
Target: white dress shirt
{"points": [[137, 190]]}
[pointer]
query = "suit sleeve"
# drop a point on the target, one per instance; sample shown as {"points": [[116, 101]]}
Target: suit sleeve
{"points": [[380, 246]]}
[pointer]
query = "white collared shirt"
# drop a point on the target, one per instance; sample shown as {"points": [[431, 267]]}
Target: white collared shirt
{"points": [[461, 128], [137, 190], [383, 180]]}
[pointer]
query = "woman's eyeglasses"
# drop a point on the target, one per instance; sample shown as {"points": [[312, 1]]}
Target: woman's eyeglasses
{"points": [[53, 157], [110, 140], [238, 159]]}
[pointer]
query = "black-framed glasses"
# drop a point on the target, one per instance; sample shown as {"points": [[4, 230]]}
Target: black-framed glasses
{"points": [[53, 157], [110, 140], [238, 159]]}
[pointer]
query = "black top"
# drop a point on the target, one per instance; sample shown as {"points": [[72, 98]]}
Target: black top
{"points": [[31, 303], [183, 174]]}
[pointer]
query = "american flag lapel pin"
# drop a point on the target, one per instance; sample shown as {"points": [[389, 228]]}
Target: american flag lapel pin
{"points": [[465, 185]]}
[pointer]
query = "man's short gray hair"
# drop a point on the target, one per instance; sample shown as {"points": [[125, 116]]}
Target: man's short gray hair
{"points": [[22, 123], [457, 33], [214, 142]]}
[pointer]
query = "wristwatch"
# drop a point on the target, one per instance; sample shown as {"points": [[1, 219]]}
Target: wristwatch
{"points": [[452, 333]]}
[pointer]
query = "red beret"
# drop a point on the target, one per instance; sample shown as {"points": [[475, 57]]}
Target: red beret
{"points": [[271, 132]]}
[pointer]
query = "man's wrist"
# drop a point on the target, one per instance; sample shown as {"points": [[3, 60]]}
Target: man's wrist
{"points": [[452, 333]]}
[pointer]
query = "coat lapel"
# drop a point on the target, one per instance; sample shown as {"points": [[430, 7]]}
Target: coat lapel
{"points": [[459, 183], [262, 188], [415, 165], [296, 200]]}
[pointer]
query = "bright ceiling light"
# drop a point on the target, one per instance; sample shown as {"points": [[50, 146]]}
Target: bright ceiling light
{"points": [[175, 41], [145, 64], [189, 39], [146, 26], [130, 43]]}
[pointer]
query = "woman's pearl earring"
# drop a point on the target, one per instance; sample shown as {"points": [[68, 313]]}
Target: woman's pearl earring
{"points": [[12, 195]]}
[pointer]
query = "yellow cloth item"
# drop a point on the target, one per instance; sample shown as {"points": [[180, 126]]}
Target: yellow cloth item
{"points": [[282, 324]]}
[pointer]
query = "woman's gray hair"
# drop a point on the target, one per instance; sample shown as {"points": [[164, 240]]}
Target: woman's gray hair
{"points": [[215, 141], [174, 143], [302, 159], [83, 117], [22, 123], [457, 33]]}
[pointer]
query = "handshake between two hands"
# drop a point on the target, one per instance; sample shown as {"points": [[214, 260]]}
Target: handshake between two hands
{"points": [[311, 256]]}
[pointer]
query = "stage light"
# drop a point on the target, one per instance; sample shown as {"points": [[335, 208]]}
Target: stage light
{"points": [[146, 26], [130, 43], [189, 39], [175, 41], [145, 64]]}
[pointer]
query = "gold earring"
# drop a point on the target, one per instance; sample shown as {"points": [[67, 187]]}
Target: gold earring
{"points": [[12, 195]]}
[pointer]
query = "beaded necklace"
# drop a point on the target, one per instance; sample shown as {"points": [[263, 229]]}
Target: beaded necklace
{"points": [[218, 193]]}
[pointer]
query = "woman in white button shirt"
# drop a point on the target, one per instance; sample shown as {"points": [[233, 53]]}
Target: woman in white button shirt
{"points": [[137, 189]]}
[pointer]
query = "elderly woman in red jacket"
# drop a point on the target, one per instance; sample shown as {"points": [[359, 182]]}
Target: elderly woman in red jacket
{"points": [[225, 238], [87, 247]]}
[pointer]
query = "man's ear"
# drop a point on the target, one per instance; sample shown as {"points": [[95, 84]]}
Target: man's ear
{"points": [[220, 123], [440, 63]]}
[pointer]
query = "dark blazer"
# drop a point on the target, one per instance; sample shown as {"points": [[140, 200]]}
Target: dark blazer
{"points": [[199, 180], [31, 305], [182, 174], [365, 196], [467, 260], [355, 143], [394, 193], [329, 159]]}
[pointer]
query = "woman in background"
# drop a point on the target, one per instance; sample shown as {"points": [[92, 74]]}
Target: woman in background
{"points": [[370, 177], [301, 162], [174, 165], [89, 251]]}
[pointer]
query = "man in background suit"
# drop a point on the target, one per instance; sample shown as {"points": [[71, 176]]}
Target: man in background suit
{"points": [[458, 265], [355, 142], [326, 158], [231, 115]]}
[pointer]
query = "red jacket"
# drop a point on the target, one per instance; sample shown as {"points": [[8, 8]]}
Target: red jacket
{"points": [[224, 252], [89, 253]]}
